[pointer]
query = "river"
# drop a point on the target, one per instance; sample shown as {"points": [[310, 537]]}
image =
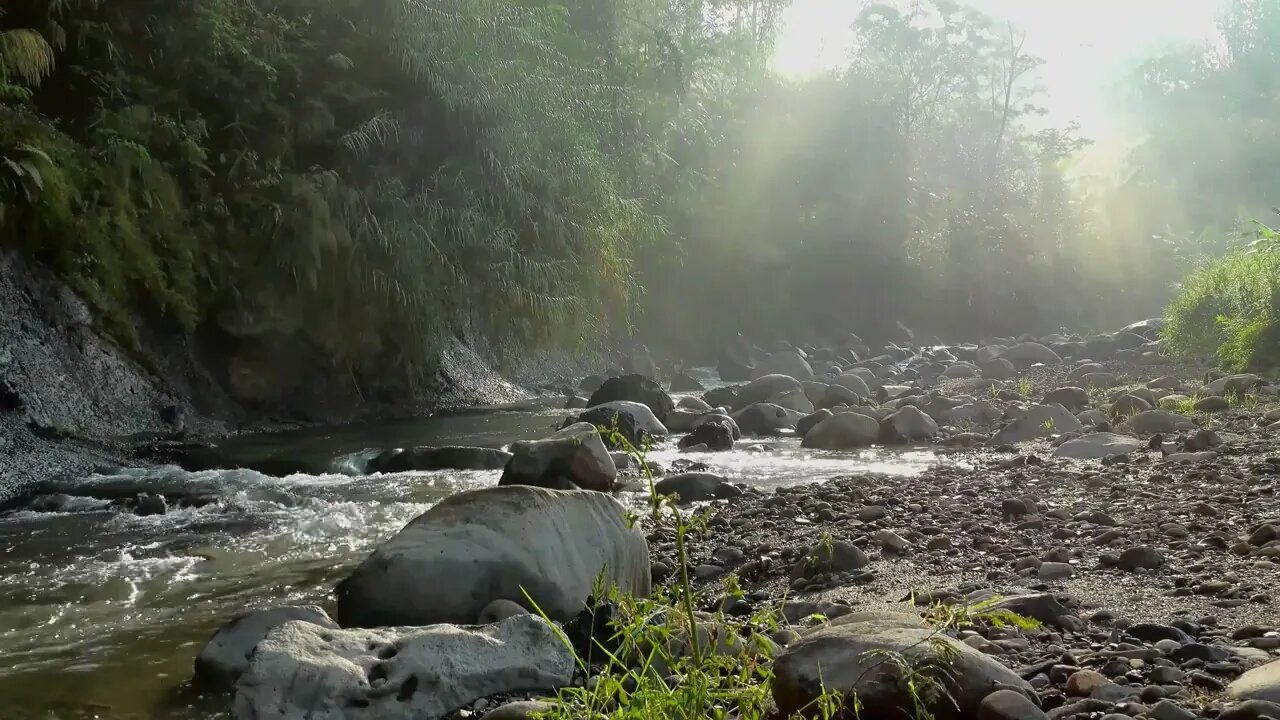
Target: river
{"points": [[102, 612]]}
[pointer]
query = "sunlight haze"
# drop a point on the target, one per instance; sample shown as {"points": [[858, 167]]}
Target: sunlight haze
{"points": [[1085, 43]]}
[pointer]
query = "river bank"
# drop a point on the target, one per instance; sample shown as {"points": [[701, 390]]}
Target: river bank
{"points": [[951, 489]]}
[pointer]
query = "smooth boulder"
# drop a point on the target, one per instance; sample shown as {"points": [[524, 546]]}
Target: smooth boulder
{"points": [[1096, 446], [716, 434], [847, 655], [843, 431], [302, 671], [908, 424], [765, 419], [496, 543], [763, 388], [1040, 421], [575, 456], [641, 415], [1026, 354], [1260, 683], [786, 362], [1159, 421], [226, 656]]}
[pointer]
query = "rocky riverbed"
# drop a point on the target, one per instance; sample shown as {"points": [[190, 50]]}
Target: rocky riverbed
{"points": [[840, 501]]}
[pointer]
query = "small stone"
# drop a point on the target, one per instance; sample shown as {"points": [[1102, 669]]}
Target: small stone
{"points": [[1169, 710], [1082, 683], [1055, 571], [1009, 705]]}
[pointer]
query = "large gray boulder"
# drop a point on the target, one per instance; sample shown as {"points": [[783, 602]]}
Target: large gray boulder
{"points": [[1260, 683], [225, 657], [1026, 354], [497, 543], [1096, 446], [451, 457], [796, 400], [787, 362], [763, 388], [856, 380], [1159, 421], [302, 671], [1231, 384], [848, 655], [843, 431], [766, 419], [645, 420], [573, 457], [1040, 421], [634, 388], [908, 424]]}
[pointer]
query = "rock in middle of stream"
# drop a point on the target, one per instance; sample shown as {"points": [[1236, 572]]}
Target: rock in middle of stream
{"points": [[497, 543]]}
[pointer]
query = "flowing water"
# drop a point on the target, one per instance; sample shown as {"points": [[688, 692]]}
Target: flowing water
{"points": [[102, 612]]}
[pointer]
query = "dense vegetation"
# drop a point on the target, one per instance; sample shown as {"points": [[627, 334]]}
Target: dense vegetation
{"points": [[319, 192]]}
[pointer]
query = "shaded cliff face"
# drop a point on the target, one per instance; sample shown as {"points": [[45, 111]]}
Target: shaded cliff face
{"points": [[71, 399], [62, 383]]}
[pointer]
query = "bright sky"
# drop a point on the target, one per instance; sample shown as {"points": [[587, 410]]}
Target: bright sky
{"points": [[1085, 43]]}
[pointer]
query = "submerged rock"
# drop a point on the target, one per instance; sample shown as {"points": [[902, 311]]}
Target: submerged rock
{"points": [[497, 543], [302, 671], [438, 458]]}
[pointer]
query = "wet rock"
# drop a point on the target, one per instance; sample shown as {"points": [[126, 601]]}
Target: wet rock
{"points": [[908, 424], [496, 543], [716, 435], [683, 383], [845, 655], [806, 423], [226, 656], [634, 388], [765, 419], [438, 458], [301, 671], [697, 486], [1252, 710], [842, 431], [635, 420], [763, 388], [575, 456]]}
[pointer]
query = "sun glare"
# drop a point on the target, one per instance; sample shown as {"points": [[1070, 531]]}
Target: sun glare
{"points": [[1085, 43]]}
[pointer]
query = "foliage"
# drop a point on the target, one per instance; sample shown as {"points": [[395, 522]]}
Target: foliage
{"points": [[1230, 308]]}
